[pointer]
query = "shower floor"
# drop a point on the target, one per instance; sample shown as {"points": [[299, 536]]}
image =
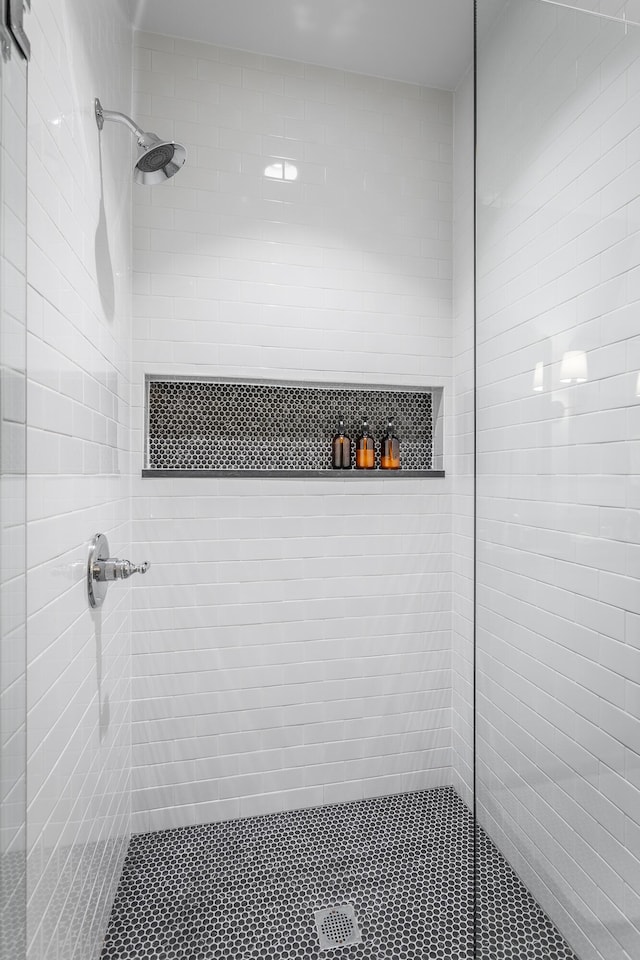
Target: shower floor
{"points": [[249, 889]]}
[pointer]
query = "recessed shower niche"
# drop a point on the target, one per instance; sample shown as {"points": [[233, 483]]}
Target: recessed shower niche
{"points": [[200, 426]]}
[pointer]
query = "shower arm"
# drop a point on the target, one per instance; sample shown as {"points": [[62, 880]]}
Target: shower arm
{"points": [[102, 115]]}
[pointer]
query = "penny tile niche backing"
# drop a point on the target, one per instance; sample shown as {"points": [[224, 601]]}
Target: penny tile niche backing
{"points": [[221, 426]]}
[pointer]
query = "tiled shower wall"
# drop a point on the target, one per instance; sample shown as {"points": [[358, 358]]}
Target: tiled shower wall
{"points": [[623, 9], [79, 208], [292, 638], [558, 593]]}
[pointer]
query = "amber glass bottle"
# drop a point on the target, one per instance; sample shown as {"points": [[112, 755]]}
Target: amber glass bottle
{"points": [[341, 449], [365, 449], [390, 450]]}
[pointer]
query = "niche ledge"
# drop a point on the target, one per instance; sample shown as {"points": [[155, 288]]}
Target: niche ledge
{"points": [[217, 427]]}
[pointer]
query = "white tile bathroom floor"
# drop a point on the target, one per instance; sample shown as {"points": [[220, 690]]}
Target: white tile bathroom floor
{"points": [[250, 888]]}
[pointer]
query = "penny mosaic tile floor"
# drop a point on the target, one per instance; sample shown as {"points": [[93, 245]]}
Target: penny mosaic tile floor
{"points": [[383, 879]]}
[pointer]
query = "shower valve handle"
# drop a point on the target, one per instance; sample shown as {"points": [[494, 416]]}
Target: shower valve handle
{"points": [[112, 569], [103, 570]]}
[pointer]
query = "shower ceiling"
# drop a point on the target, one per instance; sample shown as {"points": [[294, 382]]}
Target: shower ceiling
{"points": [[419, 41]]}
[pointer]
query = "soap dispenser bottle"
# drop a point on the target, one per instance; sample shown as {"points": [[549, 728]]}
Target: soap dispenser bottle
{"points": [[341, 449], [390, 450], [365, 449]]}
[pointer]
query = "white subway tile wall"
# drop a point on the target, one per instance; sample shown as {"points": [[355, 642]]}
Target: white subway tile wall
{"points": [[558, 521], [79, 234], [462, 441], [623, 9], [292, 640]]}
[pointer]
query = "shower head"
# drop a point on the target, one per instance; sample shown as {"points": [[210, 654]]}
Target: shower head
{"points": [[159, 160]]}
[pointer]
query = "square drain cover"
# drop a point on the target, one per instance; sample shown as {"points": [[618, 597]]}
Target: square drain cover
{"points": [[337, 926]]}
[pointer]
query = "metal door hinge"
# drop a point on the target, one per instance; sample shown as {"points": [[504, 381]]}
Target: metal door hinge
{"points": [[15, 23]]}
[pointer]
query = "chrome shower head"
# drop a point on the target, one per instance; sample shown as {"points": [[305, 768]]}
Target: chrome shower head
{"points": [[159, 160]]}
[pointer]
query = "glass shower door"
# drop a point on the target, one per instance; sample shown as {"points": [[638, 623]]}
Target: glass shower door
{"points": [[558, 492], [13, 90]]}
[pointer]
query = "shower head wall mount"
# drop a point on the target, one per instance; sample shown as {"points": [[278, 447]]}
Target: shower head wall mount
{"points": [[159, 160]]}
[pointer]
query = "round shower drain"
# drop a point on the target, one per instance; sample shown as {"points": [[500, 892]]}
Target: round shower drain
{"points": [[337, 926]]}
